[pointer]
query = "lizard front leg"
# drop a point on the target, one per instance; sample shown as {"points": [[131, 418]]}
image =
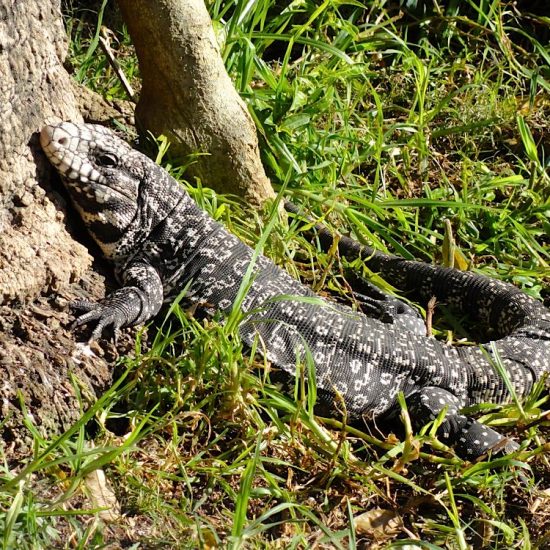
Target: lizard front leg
{"points": [[139, 299]]}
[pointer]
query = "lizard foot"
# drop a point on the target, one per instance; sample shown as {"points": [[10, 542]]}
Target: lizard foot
{"points": [[378, 304], [119, 309]]}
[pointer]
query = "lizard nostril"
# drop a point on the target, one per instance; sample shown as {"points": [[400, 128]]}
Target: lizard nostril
{"points": [[64, 141]]}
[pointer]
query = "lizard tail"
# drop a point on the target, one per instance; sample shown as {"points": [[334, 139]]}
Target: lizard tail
{"points": [[498, 306]]}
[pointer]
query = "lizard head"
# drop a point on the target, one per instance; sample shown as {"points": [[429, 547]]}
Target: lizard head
{"points": [[102, 174]]}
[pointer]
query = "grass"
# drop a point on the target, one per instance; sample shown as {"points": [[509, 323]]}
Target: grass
{"points": [[424, 133]]}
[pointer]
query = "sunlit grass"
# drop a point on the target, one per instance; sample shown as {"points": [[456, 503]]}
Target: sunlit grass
{"points": [[393, 128]]}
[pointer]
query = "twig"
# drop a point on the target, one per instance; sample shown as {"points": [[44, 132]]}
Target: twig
{"points": [[116, 67]]}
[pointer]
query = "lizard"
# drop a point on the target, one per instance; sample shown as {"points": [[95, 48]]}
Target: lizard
{"points": [[160, 242]]}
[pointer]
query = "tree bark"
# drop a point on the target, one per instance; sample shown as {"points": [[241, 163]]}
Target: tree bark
{"points": [[39, 261], [188, 96]]}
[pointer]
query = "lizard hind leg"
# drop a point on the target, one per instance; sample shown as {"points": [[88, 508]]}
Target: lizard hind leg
{"points": [[470, 439], [380, 305]]}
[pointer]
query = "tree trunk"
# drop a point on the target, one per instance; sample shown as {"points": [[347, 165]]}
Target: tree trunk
{"points": [[188, 96], [39, 261]]}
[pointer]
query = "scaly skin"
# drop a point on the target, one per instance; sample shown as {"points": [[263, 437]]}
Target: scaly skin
{"points": [[160, 242]]}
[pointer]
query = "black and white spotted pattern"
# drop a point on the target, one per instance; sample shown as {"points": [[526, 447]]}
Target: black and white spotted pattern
{"points": [[160, 242]]}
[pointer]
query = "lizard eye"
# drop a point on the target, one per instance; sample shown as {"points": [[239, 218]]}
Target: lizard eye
{"points": [[107, 160]]}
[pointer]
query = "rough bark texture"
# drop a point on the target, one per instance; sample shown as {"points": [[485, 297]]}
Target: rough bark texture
{"points": [[188, 96], [39, 261]]}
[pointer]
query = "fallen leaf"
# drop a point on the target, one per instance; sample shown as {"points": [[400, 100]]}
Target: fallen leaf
{"points": [[378, 523], [102, 496]]}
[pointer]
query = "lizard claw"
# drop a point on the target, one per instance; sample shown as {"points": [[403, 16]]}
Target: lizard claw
{"points": [[504, 447], [83, 305], [97, 312]]}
